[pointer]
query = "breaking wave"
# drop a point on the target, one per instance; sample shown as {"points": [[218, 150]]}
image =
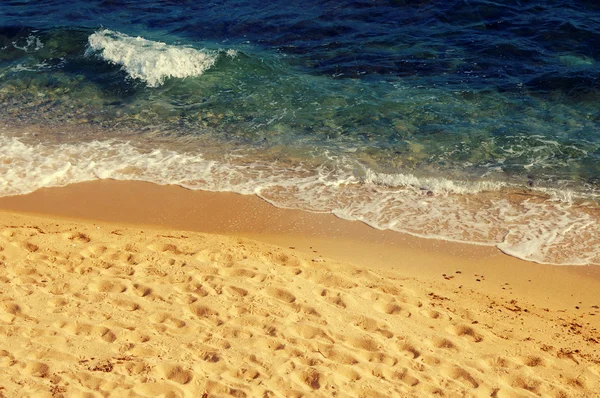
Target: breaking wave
{"points": [[149, 61]]}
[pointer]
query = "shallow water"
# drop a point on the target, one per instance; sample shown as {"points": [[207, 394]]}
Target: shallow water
{"points": [[468, 121]]}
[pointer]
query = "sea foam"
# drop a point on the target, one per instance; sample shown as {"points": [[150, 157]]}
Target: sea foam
{"points": [[532, 227], [32, 44], [437, 185], [150, 61]]}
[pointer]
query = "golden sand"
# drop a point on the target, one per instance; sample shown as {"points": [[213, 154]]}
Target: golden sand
{"points": [[135, 290]]}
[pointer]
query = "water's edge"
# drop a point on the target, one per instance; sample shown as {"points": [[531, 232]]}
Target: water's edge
{"points": [[541, 226]]}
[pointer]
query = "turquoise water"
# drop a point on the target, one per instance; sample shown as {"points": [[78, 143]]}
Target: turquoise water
{"points": [[467, 121]]}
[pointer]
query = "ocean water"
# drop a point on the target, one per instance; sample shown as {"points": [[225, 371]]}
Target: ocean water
{"points": [[472, 121]]}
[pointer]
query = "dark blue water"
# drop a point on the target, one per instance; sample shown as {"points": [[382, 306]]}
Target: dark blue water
{"points": [[473, 119]]}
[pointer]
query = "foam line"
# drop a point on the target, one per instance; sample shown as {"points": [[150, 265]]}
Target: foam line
{"points": [[529, 227]]}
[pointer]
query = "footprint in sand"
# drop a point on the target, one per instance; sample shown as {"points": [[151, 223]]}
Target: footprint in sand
{"points": [[126, 305], [37, 369], [392, 309], [398, 293], [334, 298], [138, 337], [202, 311], [330, 280], [239, 272], [311, 332], [235, 291], [440, 342], [498, 362], [82, 329], [371, 325], [78, 237], [124, 256], [335, 354], [466, 332], [532, 361], [108, 286], [462, 376], [141, 290], [7, 359], [310, 311], [348, 373], [310, 378], [94, 251], [527, 383], [433, 314], [403, 375], [136, 367], [408, 350], [364, 343], [379, 357], [30, 247], [166, 248], [176, 373], [195, 288], [247, 374], [58, 302], [168, 319], [280, 294], [8, 233], [11, 308]]}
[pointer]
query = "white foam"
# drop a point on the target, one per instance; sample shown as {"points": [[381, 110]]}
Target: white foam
{"points": [[30, 68], [529, 227], [552, 233], [436, 185], [231, 53], [149, 61], [32, 44]]}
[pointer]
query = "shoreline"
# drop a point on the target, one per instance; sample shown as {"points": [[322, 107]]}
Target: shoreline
{"points": [[136, 203], [546, 226], [135, 289]]}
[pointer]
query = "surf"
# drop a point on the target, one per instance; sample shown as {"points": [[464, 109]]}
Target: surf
{"points": [[149, 61]]}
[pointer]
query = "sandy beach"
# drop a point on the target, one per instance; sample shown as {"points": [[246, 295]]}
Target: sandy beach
{"points": [[129, 289]]}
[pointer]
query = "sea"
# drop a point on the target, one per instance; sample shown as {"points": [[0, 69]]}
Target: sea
{"points": [[465, 120]]}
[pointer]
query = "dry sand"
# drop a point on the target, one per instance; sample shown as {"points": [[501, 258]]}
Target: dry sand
{"points": [[116, 289]]}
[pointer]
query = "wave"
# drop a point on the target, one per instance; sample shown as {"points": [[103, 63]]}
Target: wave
{"points": [[431, 184], [527, 225], [150, 61]]}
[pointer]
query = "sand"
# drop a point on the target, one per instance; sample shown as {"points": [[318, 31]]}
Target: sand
{"points": [[126, 290]]}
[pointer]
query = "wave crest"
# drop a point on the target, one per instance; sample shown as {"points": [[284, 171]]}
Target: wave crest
{"points": [[438, 185], [150, 61]]}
